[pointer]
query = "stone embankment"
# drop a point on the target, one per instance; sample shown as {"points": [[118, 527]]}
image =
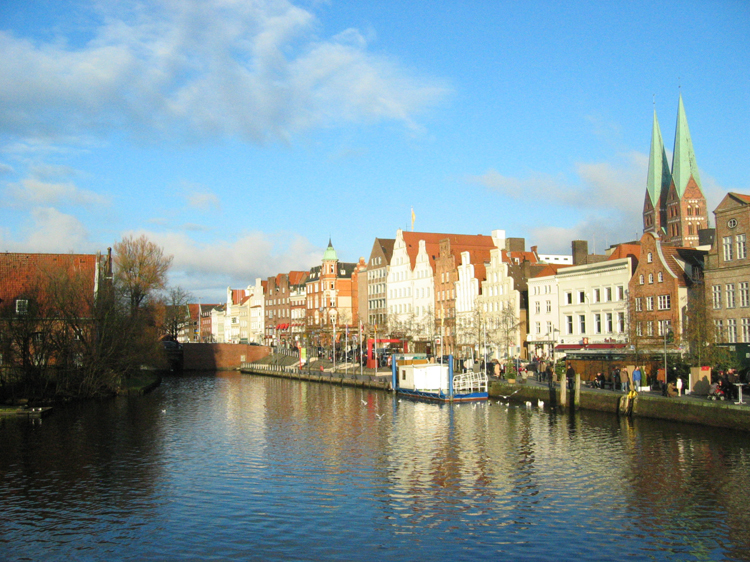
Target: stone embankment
{"points": [[319, 371], [688, 409]]}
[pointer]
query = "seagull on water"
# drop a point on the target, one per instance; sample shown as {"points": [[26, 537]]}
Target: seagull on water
{"points": [[540, 403], [528, 403], [379, 416]]}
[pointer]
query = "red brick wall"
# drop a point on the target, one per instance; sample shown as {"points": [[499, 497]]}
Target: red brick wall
{"points": [[220, 356]]}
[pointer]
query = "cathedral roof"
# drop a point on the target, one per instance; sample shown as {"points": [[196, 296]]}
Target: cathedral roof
{"points": [[659, 177], [683, 158]]}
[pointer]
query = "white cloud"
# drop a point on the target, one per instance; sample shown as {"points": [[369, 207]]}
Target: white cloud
{"points": [[203, 200], [207, 269], [256, 70], [608, 195], [5, 169], [49, 230], [32, 191]]}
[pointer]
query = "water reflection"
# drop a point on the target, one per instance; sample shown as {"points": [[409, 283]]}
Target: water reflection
{"points": [[229, 467]]}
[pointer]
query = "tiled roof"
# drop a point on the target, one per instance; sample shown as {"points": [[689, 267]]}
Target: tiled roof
{"points": [[550, 269], [625, 250], [20, 272]]}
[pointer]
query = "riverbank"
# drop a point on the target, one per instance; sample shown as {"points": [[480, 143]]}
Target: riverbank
{"points": [[141, 384], [686, 409]]}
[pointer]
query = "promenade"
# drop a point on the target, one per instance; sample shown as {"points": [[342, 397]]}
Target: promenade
{"points": [[689, 408]]}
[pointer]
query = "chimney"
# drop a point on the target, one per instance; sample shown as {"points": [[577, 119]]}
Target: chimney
{"points": [[515, 244], [580, 252]]}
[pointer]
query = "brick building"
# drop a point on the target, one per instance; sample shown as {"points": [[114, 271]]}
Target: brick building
{"points": [[660, 290], [728, 271], [674, 207]]}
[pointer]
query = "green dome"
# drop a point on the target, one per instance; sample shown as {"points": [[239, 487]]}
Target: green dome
{"points": [[330, 253]]}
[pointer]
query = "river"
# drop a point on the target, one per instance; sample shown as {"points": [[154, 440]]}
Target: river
{"points": [[237, 467]]}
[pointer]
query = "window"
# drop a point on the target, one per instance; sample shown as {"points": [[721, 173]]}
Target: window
{"points": [[663, 327], [727, 243], [744, 294], [597, 323], [664, 302], [620, 292], [581, 297], [731, 330], [649, 303], [582, 323], [538, 326], [650, 258], [597, 295], [608, 323], [568, 298], [549, 305], [660, 277], [746, 330], [549, 327], [716, 294], [569, 324], [620, 322], [650, 278], [649, 328], [608, 294], [638, 304], [537, 307], [640, 279], [639, 329], [741, 246], [730, 295], [22, 306], [719, 329]]}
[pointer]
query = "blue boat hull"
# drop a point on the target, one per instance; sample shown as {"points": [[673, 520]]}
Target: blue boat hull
{"points": [[443, 397]]}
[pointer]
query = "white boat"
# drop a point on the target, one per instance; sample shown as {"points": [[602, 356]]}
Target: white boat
{"points": [[434, 381]]}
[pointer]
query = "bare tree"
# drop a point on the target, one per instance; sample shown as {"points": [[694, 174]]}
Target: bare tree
{"points": [[140, 269], [176, 311]]}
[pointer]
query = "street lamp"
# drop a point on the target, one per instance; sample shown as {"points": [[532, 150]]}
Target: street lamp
{"points": [[668, 337]]}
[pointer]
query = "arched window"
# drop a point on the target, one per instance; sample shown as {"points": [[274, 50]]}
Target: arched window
{"points": [[660, 277], [650, 277], [640, 279]]}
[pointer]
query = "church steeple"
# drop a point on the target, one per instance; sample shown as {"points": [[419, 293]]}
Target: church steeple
{"points": [[659, 178], [330, 253], [683, 159], [657, 183]]}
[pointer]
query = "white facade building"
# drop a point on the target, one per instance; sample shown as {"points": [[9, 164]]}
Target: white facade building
{"points": [[593, 302]]}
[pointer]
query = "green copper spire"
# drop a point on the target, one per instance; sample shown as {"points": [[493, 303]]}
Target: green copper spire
{"points": [[683, 159], [330, 253], [659, 177]]}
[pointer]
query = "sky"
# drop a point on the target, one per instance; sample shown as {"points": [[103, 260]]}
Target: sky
{"points": [[242, 135]]}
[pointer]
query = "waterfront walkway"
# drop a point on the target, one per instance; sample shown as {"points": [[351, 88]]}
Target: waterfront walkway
{"points": [[689, 408]]}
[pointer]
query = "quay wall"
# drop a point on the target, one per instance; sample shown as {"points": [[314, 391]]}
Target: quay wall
{"points": [[686, 409], [340, 378], [220, 356]]}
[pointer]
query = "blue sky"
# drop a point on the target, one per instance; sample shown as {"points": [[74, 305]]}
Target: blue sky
{"points": [[240, 135]]}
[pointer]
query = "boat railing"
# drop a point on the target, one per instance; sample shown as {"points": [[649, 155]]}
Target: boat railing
{"points": [[470, 382]]}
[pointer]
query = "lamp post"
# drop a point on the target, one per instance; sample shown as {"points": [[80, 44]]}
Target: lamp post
{"points": [[668, 336]]}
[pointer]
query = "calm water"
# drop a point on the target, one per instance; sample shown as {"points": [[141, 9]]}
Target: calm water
{"points": [[233, 467]]}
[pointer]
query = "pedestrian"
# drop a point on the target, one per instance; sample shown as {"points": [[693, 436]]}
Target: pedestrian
{"points": [[637, 379], [570, 375], [549, 375], [625, 380], [616, 380]]}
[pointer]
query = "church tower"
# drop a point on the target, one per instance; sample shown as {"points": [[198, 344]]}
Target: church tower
{"points": [[657, 184], [675, 207]]}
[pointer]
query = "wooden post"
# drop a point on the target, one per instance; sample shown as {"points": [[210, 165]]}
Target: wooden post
{"points": [[563, 391], [577, 395]]}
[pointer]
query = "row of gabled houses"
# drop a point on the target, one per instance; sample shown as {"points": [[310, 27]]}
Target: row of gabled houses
{"points": [[452, 293], [475, 294]]}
